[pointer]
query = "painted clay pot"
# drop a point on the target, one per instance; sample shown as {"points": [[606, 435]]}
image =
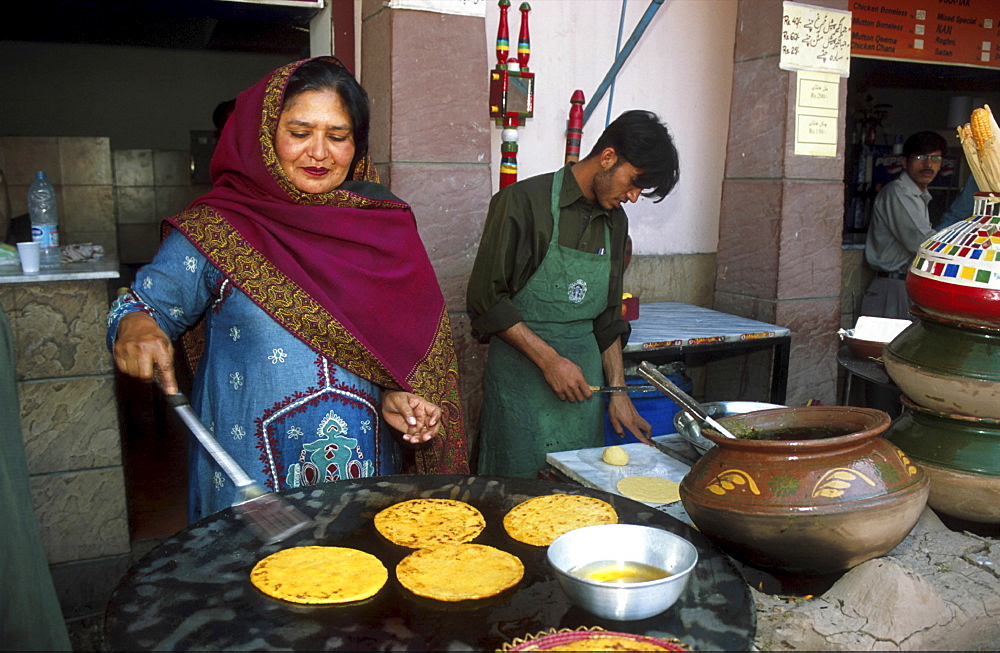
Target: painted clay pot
{"points": [[947, 365], [813, 506], [956, 272], [960, 455]]}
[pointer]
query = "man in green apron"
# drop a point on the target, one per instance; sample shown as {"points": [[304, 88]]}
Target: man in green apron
{"points": [[547, 281]]}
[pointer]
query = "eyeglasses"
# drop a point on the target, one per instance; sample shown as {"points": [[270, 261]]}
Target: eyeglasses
{"points": [[936, 158]]}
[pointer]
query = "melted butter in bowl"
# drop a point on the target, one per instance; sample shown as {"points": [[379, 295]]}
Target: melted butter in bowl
{"points": [[618, 571]]}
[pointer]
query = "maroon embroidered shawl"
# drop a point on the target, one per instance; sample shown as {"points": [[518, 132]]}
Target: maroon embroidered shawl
{"points": [[345, 271]]}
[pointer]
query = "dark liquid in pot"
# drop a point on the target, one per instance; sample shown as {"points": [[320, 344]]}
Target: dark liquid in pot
{"points": [[798, 433]]}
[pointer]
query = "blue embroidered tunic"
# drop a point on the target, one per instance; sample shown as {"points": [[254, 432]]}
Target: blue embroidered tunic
{"points": [[288, 415]]}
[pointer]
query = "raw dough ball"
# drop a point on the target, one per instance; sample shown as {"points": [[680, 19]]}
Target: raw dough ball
{"points": [[615, 456]]}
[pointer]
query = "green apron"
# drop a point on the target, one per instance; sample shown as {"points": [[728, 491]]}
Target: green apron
{"points": [[522, 419]]}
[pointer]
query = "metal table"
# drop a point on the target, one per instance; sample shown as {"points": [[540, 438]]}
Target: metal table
{"points": [[667, 331], [193, 592]]}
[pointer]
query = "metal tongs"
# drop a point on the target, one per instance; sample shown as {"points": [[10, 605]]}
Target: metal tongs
{"points": [[684, 400]]}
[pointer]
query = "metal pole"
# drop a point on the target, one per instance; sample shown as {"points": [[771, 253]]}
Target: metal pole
{"points": [[654, 6]]}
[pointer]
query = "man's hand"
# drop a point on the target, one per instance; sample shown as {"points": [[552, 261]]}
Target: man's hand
{"points": [[563, 375], [417, 419], [624, 416], [566, 380], [142, 345]]}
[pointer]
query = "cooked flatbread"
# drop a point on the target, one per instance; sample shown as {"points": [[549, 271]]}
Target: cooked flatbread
{"points": [[319, 574], [539, 521], [422, 523], [458, 572], [650, 489]]}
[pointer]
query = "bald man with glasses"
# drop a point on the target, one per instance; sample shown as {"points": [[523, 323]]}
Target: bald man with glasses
{"points": [[900, 224]]}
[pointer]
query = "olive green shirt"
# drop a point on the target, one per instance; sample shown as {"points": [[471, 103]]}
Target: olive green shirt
{"points": [[516, 238]]}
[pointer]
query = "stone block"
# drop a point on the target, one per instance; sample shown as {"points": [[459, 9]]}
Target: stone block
{"points": [[7, 299], [812, 372], [688, 278], [81, 515], [171, 168], [749, 233], [439, 77], [18, 194], [171, 200], [70, 424], [85, 160], [758, 30], [86, 208], [59, 329], [25, 155], [811, 226], [759, 113], [370, 8], [133, 167], [450, 213], [137, 205], [376, 77]]}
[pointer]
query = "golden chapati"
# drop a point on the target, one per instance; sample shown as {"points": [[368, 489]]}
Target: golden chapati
{"points": [[649, 489], [458, 572], [319, 574], [539, 521], [422, 523]]}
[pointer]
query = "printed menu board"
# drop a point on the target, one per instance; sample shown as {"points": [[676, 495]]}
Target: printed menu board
{"points": [[957, 32]]}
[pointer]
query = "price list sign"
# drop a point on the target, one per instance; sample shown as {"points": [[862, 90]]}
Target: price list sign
{"points": [[957, 32], [815, 39]]}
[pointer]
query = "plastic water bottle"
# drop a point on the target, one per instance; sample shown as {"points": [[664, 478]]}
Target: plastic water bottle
{"points": [[44, 218]]}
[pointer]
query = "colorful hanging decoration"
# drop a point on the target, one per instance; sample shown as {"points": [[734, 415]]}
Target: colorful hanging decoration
{"points": [[512, 90], [574, 127]]}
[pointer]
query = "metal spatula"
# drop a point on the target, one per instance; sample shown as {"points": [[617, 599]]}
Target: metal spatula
{"points": [[684, 400], [268, 515]]}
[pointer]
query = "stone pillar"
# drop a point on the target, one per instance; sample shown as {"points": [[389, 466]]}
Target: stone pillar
{"points": [[779, 257], [427, 77]]}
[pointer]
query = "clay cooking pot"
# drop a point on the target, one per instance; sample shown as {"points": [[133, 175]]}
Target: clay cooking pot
{"points": [[813, 506]]}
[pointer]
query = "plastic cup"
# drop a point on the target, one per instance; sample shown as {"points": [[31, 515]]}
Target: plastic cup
{"points": [[29, 254]]}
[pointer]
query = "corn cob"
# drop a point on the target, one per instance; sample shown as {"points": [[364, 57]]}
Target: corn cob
{"points": [[986, 138], [971, 155], [982, 130]]}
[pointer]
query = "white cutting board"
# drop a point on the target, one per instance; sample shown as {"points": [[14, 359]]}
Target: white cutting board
{"points": [[586, 467]]}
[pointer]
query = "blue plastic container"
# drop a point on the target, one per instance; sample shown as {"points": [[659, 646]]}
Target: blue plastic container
{"points": [[655, 407]]}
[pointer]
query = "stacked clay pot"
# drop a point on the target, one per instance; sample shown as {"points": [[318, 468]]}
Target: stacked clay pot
{"points": [[947, 364]]}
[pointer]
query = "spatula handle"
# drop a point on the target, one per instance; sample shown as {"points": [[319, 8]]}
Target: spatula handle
{"points": [[180, 404]]}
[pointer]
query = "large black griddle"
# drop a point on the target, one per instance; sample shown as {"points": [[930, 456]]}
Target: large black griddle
{"points": [[193, 591]]}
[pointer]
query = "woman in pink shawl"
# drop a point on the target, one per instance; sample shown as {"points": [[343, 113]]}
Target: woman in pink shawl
{"points": [[323, 328]]}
